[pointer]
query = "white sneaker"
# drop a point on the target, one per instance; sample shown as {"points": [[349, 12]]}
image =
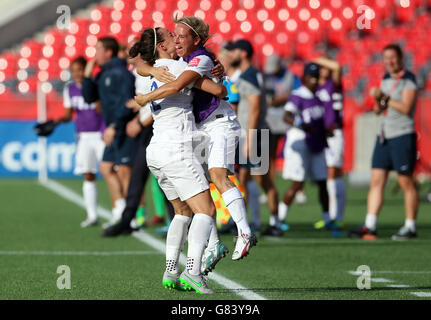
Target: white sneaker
{"points": [[197, 283], [243, 245], [89, 223]]}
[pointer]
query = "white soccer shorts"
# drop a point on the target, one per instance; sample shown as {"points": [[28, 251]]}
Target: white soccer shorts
{"points": [[299, 163], [224, 131], [335, 151], [89, 152], [178, 172]]}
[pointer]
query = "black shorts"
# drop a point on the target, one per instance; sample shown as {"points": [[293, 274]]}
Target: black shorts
{"points": [[274, 139], [122, 151], [248, 163], [397, 154]]}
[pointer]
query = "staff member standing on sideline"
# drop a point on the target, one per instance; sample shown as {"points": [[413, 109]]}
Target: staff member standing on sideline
{"points": [[396, 144]]}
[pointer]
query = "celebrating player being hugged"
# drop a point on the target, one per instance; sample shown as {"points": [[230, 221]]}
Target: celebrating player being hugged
{"points": [[170, 158], [218, 120]]}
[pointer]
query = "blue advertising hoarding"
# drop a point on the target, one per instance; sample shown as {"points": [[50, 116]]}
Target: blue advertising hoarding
{"points": [[19, 150]]}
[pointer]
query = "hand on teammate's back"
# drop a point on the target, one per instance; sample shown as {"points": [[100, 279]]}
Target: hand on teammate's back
{"points": [[163, 75], [218, 70]]}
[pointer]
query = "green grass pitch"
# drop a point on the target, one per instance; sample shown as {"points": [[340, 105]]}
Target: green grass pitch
{"points": [[40, 231]]}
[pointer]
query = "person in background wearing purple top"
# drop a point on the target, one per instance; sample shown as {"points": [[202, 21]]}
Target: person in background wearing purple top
{"points": [[306, 140], [330, 93], [89, 125]]}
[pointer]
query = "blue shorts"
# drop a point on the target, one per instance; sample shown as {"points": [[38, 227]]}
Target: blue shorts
{"points": [[397, 154], [122, 151]]}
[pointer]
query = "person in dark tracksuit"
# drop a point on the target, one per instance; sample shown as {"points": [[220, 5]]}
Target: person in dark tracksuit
{"points": [[114, 86]]}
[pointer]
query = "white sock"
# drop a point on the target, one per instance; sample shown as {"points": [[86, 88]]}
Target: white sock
{"points": [[253, 203], [199, 234], [340, 188], [213, 239], [235, 204], [174, 241], [326, 217], [371, 221], [282, 211], [89, 191], [410, 224], [274, 221], [332, 193], [120, 205]]}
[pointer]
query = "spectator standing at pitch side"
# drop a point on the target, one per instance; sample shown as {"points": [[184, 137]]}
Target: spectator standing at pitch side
{"points": [[90, 146], [330, 93], [306, 140], [114, 86], [279, 83], [395, 147], [251, 114]]}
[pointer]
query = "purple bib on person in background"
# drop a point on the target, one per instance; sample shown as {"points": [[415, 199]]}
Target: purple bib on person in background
{"points": [[332, 99], [87, 117], [312, 112], [204, 103]]}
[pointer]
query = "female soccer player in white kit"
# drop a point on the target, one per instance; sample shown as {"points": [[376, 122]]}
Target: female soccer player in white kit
{"points": [[218, 120], [170, 158]]}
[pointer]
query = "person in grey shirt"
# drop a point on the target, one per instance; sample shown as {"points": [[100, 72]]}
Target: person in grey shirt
{"points": [[395, 147]]}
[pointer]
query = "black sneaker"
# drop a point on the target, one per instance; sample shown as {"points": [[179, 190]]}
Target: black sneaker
{"points": [[273, 231], [117, 229], [404, 234], [363, 233]]}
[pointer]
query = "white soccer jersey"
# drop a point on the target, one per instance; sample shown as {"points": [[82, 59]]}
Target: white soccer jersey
{"points": [[142, 84], [222, 125], [170, 153], [173, 116], [200, 64]]}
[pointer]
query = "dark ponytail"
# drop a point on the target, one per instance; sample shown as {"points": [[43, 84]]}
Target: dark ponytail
{"points": [[145, 46]]}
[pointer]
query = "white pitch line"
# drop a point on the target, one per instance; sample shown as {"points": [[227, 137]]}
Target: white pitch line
{"points": [[422, 294], [145, 237], [395, 286], [381, 280], [355, 273], [400, 286], [77, 253]]}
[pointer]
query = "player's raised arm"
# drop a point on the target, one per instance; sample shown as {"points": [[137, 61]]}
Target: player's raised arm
{"points": [[169, 89], [207, 85], [332, 65]]}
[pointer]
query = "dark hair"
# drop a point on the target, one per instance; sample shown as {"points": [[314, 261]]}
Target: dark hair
{"points": [[80, 60], [396, 48], [145, 46], [110, 43]]}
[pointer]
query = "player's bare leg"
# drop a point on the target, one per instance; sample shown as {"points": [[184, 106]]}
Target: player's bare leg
{"points": [[411, 204], [235, 204], [272, 195], [115, 188]]}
